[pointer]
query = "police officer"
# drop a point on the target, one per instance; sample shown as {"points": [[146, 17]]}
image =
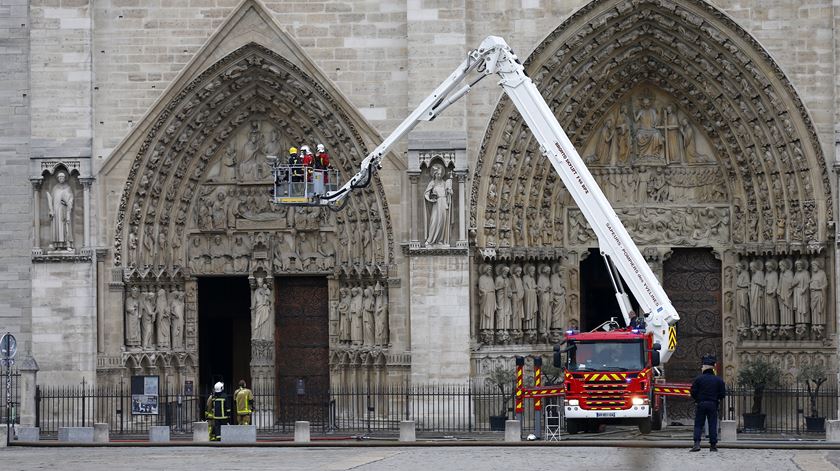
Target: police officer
{"points": [[218, 411], [707, 391], [244, 400]]}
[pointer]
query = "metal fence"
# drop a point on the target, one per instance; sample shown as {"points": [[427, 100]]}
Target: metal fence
{"points": [[786, 410], [7, 413]]}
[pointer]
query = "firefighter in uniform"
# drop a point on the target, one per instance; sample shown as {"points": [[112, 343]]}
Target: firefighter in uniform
{"points": [[218, 411], [244, 400], [707, 391], [294, 161]]}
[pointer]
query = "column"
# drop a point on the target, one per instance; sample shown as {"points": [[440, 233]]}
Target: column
{"points": [[462, 209], [86, 184], [414, 178], [36, 210]]}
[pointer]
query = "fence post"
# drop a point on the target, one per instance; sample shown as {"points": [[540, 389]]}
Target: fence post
{"points": [[38, 406]]}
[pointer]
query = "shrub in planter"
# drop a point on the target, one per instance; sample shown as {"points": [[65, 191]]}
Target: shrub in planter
{"points": [[501, 378], [813, 376], [758, 375]]}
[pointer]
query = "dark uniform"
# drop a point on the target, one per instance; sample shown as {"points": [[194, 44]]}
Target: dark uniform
{"points": [[217, 413], [707, 391]]}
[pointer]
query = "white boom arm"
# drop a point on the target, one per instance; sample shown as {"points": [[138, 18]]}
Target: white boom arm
{"points": [[494, 56]]}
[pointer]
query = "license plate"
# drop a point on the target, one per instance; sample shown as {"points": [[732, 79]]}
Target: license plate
{"points": [[605, 414]]}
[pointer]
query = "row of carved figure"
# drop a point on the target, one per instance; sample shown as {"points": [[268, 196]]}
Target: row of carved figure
{"points": [[781, 299], [662, 184], [293, 251], [521, 304], [154, 319], [363, 316]]}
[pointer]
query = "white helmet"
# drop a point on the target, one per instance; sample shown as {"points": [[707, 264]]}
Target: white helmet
{"points": [[304, 149], [320, 148], [218, 387]]}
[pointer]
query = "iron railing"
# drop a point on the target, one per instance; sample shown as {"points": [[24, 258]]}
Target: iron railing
{"points": [[785, 409], [9, 414]]}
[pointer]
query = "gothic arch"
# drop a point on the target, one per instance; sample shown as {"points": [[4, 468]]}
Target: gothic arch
{"points": [[190, 134], [764, 140]]}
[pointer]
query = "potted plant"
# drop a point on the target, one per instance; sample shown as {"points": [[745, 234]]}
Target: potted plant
{"points": [[501, 378], [813, 376], [758, 374]]}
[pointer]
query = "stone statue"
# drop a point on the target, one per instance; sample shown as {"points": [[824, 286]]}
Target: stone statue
{"points": [[671, 130], [742, 297], [487, 301], [517, 301], [132, 318], [147, 322], [544, 291], [227, 171], [604, 149], [241, 253], [356, 328], [177, 312], [819, 291], [771, 297], [250, 160], [801, 301], [438, 196], [622, 136], [529, 323], [757, 297], [218, 253], [327, 251], [785, 297], [261, 302], [60, 205], [503, 302], [689, 142], [164, 321], [344, 315], [381, 315], [368, 321], [649, 140], [558, 303]]}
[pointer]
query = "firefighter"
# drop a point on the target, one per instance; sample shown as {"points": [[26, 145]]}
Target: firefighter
{"points": [[322, 158], [707, 391], [218, 411], [294, 161], [244, 400]]}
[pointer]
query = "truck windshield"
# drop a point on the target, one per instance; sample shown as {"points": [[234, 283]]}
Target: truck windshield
{"points": [[606, 356]]}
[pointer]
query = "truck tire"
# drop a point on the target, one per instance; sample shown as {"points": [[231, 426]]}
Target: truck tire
{"points": [[645, 426], [656, 420], [572, 426]]}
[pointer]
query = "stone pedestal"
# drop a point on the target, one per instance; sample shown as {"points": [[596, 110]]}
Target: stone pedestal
{"points": [[832, 430], [407, 431], [101, 433], [27, 434], [239, 434], [440, 320], [4, 433], [75, 434], [200, 432], [301, 431], [513, 431], [728, 431], [28, 369], [159, 434]]}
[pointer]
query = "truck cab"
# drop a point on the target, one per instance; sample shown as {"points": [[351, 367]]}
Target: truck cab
{"points": [[609, 377]]}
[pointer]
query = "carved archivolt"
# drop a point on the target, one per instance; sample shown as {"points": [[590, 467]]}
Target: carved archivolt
{"points": [[199, 179], [719, 104]]}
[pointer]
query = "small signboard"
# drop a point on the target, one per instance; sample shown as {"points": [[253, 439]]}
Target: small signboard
{"points": [[145, 391], [188, 387], [8, 349]]}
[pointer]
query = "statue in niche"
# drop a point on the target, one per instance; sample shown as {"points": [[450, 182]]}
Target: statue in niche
{"points": [[252, 154], [819, 291], [622, 136], [649, 141], [147, 322], [218, 213], [438, 197], [344, 315], [356, 327], [219, 254], [177, 312], [801, 301], [531, 307], [133, 313], [308, 255], [742, 296], [771, 297], [327, 251], [241, 253], [164, 321], [544, 291], [558, 304], [368, 320], [60, 206], [262, 312], [517, 302], [671, 130], [503, 302], [487, 301], [757, 297], [381, 315], [785, 297]]}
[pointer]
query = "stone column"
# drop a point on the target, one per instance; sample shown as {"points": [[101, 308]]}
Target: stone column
{"points": [[28, 369], [36, 210], [462, 209], [262, 349], [86, 184], [413, 178], [728, 259]]}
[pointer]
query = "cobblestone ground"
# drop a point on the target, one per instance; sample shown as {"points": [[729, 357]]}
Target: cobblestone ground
{"points": [[425, 458]]}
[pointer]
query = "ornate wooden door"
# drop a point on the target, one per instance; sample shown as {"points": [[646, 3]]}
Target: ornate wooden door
{"points": [[302, 348], [692, 279]]}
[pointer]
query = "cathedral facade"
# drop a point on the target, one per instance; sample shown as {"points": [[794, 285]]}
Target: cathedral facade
{"points": [[140, 238]]}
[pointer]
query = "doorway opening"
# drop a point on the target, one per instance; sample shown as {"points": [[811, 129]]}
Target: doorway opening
{"points": [[224, 331], [597, 295]]}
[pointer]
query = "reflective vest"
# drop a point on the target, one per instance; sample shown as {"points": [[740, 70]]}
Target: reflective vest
{"points": [[216, 406], [243, 397]]}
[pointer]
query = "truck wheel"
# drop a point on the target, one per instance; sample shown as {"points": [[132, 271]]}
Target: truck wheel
{"points": [[645, 426], [572, 426], [656, 420]]}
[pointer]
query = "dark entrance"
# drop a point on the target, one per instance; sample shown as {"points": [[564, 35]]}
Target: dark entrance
{"points": [[597, 295], [302, 348], [693, 283], [224, 331]]}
